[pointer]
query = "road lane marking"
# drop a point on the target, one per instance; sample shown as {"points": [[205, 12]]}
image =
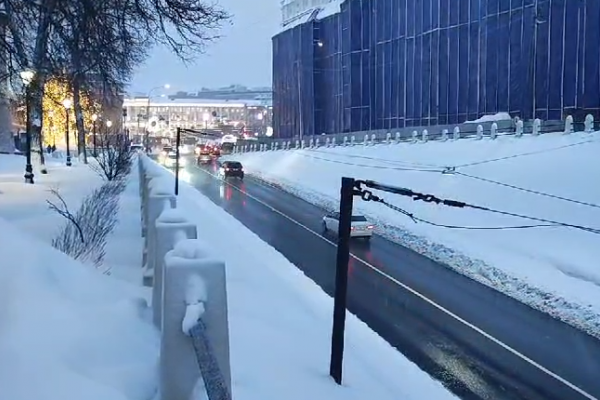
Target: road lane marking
{"points": [[421, 296]]}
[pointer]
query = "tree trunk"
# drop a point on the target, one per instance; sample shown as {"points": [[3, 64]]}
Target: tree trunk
{"points": [[39, 82], [79, 120], [35, 116], [7, 143]]}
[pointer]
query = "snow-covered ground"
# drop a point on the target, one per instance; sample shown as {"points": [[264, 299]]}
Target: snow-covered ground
{"points": [[25, 205], [280, 325], [554, 269], [66, 330]]}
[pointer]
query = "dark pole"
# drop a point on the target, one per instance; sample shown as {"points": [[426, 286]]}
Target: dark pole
{"points": [[147, 133], [94, 138], [341, 280], [67, 139], [28, 166], [177, 145]]}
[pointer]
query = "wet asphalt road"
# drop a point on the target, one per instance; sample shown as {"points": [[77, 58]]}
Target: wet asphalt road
{"points": [[507, 364]]}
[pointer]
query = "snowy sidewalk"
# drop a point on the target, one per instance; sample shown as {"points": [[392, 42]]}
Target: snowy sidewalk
{"points": [[25, 205], [67, 330], [125, 245]]}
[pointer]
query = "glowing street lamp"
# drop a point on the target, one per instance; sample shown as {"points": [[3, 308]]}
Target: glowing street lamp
{"points": [[67, 103], [94, 119]]}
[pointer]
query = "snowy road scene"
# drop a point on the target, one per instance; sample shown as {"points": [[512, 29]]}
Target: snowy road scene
{"points": [[309, 199]]}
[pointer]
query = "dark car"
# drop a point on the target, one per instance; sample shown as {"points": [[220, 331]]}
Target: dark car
{"points": [[214, 150], [231, 169], [203, 154]]}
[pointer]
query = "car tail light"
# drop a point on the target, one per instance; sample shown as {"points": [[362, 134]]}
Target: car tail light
{"points": [[371, 227], [351, 228]]}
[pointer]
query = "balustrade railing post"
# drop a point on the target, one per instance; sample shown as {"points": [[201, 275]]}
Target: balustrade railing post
{"points": [[179, 372], [159, 195], [171, 228]]}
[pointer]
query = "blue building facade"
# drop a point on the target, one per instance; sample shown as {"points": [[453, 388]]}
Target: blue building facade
{"points": [[385, 64]]}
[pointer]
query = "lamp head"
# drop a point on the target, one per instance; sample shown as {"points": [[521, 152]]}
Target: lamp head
{"points": [[27, 77]]}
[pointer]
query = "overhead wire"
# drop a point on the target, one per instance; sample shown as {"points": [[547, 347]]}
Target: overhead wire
{"points": [[369, 166], [394, 162], [531, 153], [536, 192], [454, 172], [428, 222], [368, 195]]}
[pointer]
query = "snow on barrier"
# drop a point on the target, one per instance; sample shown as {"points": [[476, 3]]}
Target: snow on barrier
{"points": [[468, 130], [189, 295]]}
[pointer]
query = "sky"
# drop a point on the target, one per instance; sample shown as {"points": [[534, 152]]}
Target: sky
{"points": [[241, 56]]}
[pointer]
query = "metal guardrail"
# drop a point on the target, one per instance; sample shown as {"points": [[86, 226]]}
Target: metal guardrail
{"points": [[467, 130], [193, 324], [442, 133]]}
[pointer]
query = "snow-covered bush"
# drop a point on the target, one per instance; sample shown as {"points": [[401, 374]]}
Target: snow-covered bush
{"points": [[114, 157], [85, 233]]}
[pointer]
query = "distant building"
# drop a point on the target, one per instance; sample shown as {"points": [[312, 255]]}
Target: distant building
{"points": [[232, 93], [161, 117]]}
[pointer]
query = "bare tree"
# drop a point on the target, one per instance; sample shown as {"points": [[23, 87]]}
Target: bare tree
{"points": [[6, 142], [114, 158], [185, 26], [97, 42], [96, 49], [29, 25], [85, 234]]}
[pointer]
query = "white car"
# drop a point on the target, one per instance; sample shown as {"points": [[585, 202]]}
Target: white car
{"points": [[360, 228], [170, 160]]}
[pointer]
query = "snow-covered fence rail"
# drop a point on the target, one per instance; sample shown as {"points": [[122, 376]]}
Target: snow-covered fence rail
{"points": [[468, 130], [189, 295]]}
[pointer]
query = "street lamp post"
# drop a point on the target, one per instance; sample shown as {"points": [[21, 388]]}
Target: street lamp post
{"points": [[206, 118], [67, 103], [27, 77], [94, 119], [147, 133]]}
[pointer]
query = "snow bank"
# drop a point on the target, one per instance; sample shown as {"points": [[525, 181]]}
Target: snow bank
{"points": [[501, 116], [553, 269], [66, 331], [25, 205], [280, 325]]}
